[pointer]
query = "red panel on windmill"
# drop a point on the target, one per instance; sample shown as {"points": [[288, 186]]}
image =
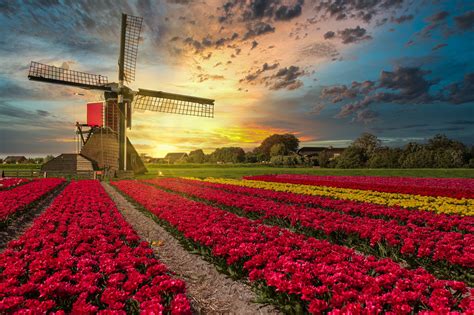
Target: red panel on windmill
{"points": [[95, 114]]}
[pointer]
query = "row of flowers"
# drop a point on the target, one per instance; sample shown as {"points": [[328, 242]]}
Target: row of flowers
{"points": [[316, 274], [10, 182], [81, 256], [386, 238], [18, 198], [443, 222], [448, 187], [445, 205]]}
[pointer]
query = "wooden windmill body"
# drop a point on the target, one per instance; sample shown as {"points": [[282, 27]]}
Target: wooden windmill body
{"points": [[106, 145]]}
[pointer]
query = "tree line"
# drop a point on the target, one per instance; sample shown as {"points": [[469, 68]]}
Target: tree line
{"points": [[367, 151]]}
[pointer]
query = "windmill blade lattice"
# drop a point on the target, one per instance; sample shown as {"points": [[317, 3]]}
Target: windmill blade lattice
{"points": [[52, 74], [158, 101], [132, 38]]}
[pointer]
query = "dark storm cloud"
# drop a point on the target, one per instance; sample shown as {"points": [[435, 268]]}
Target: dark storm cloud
{"points": [[352, 35], [258, 29], [465, 21], [461, 92]]}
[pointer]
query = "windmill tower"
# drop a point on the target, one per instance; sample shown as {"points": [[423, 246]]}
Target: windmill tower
{"points": [[120, 100]]}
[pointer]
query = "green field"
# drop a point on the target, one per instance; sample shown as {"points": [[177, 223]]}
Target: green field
{"points": [[239, 170]]}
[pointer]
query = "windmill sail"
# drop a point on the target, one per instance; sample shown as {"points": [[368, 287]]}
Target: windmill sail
{"points": [[173, 103], [131, 27], [52, 74]]}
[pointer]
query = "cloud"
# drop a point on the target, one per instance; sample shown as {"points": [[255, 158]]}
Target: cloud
{"points": [[404, 85], [461, 92], [254, 75], [204, 77], [465, 21], [258, 29], [286, 78], [401, 19], [286, 13], [439, 46], [461, 122], [349, 35], [321, 50], [338, 93], [366, 116], [352, 35], [363, 10], [329, 35], [260, 9], [317, 109], [435, 21], [438, 17], [254, 44]]}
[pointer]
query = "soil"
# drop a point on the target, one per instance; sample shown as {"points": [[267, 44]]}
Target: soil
{"points": [[209, 291], [24, 219]]}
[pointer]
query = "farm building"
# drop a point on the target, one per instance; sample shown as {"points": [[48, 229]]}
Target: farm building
{"points": [[172, 158], [69, 163], [314, 151], [14, 159]]}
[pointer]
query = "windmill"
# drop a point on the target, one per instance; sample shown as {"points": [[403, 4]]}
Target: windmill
{"points": [[120, 99]]}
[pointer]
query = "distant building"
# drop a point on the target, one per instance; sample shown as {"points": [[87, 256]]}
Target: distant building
{"points": [[314, 151], [13, 159], [172, 158]]}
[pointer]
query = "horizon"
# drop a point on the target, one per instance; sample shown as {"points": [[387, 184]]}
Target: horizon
{"points": [[326, 74]]}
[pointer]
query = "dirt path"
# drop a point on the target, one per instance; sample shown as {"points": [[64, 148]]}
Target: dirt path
{"points": [[210, 292], [25, 219]]}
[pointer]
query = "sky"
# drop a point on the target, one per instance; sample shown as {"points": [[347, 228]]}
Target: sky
{"points": [[325, 71]]}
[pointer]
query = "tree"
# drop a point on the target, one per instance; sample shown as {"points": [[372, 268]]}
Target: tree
{"points": [[196, 156], [48, 158], [278, 149], [352, 157], [323, 158], [368, 142], [385, 158], [287, 160], [228, 155], [290, 142]]}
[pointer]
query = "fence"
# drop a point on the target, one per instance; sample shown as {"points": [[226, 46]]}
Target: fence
{"points": [[37, 174]]}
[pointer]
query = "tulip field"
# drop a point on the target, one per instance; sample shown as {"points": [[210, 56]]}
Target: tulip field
{"points": [[304, 244]]}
